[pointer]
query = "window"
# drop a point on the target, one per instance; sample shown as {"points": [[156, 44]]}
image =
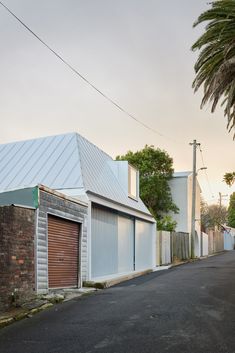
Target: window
{"points": [[132, 182]]}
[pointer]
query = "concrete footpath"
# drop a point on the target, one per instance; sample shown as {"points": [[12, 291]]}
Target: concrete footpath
{"points": [[40, 303], [186, 309]]}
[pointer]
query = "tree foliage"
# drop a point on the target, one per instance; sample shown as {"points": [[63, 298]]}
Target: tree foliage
{"points": [[212, 215], [215, 67], [156, 169], [166, 223], [231, 211], [229, 178]]}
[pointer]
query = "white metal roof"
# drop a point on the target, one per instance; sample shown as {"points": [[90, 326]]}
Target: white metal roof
{"points": [[66, 161]]}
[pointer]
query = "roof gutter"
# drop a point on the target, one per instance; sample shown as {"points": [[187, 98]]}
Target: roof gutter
{"points": [[123, 208]]}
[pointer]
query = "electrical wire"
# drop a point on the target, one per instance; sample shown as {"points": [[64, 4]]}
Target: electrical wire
{"points": [[112, 101], [205, 171]]}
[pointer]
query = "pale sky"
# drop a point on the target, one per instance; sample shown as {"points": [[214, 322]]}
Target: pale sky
{"points": [[135, 51]]}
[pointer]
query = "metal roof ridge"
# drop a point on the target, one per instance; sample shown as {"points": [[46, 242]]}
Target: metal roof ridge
{"points": [[91, 143], [37, 138], [77, 136]]}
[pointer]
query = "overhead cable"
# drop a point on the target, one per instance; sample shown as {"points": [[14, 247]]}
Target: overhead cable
{"points": [[112, 101], [205, 171]]}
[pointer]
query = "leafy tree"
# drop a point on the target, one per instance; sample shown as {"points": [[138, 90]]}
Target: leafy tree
{"points": [[231, 211], [229, 178], [166, 223], [215, 67], [156, 169], [212, 215]]}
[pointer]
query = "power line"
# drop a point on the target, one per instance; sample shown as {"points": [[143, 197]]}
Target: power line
{"points": [[205, 171], [84, 78]]}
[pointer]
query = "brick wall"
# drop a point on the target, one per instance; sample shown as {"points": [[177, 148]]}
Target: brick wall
{"points": [[17, 228]]}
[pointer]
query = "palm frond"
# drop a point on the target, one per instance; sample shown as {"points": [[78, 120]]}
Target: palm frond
{"points": [[215, 66]]}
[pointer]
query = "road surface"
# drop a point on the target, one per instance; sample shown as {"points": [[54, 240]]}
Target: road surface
{"points": [[187, 309]]}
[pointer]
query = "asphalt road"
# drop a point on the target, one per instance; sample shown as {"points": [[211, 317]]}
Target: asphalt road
{"points": [[187, 309]]}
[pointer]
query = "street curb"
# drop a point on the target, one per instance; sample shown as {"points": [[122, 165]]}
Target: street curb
{"points": [[22, 314], [114, 281], [185, 262], [198, 259]]}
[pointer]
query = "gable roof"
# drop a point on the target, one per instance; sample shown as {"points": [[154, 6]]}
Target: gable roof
{"points": [[61, 162]]}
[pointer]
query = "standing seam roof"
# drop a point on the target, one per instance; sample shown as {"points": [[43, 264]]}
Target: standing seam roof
{"points": [[67, 161]]}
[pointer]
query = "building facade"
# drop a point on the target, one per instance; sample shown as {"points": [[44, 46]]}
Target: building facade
{"points": [[181, 190], [119, 233]]}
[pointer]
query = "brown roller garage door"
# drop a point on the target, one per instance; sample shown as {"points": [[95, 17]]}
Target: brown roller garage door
{"points": [[63, 250]]}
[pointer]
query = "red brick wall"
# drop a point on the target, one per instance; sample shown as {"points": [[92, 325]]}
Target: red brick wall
{"points": [[17, 229]]}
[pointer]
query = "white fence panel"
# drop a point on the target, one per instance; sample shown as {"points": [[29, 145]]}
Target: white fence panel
{"points": [[205, 244], [163, 250], [143, 245], [228, 241], [166, 248]]}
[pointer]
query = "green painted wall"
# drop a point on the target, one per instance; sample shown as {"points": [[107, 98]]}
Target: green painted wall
{"points": [[25, 197]]}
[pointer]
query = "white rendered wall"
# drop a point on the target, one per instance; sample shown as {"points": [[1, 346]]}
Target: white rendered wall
{"points": [[179, 194], [181, 191]]}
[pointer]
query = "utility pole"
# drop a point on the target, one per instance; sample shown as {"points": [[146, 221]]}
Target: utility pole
{"points": [[220, 199], [194, 144], [221, 196]]}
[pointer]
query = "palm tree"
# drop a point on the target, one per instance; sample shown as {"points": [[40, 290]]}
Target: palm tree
{"points": [[229, 178], [215, 67]]}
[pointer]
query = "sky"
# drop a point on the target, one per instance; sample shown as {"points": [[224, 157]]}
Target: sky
{"points": [[138, 53]]}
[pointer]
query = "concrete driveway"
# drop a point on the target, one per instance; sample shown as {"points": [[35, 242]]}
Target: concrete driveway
{"points": [[187, 309]]}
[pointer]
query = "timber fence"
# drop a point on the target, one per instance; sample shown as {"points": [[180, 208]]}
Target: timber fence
{"points": [[175, 246], [171, 247]]}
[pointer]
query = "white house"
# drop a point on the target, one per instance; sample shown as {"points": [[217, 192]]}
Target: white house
{"points": [[121, 232], [181, 190]]}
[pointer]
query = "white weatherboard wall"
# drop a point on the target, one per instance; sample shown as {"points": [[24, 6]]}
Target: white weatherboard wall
{"points": [[51, 204]]}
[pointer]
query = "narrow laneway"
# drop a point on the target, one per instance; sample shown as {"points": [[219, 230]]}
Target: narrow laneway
{"points": [[187, 309]]}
